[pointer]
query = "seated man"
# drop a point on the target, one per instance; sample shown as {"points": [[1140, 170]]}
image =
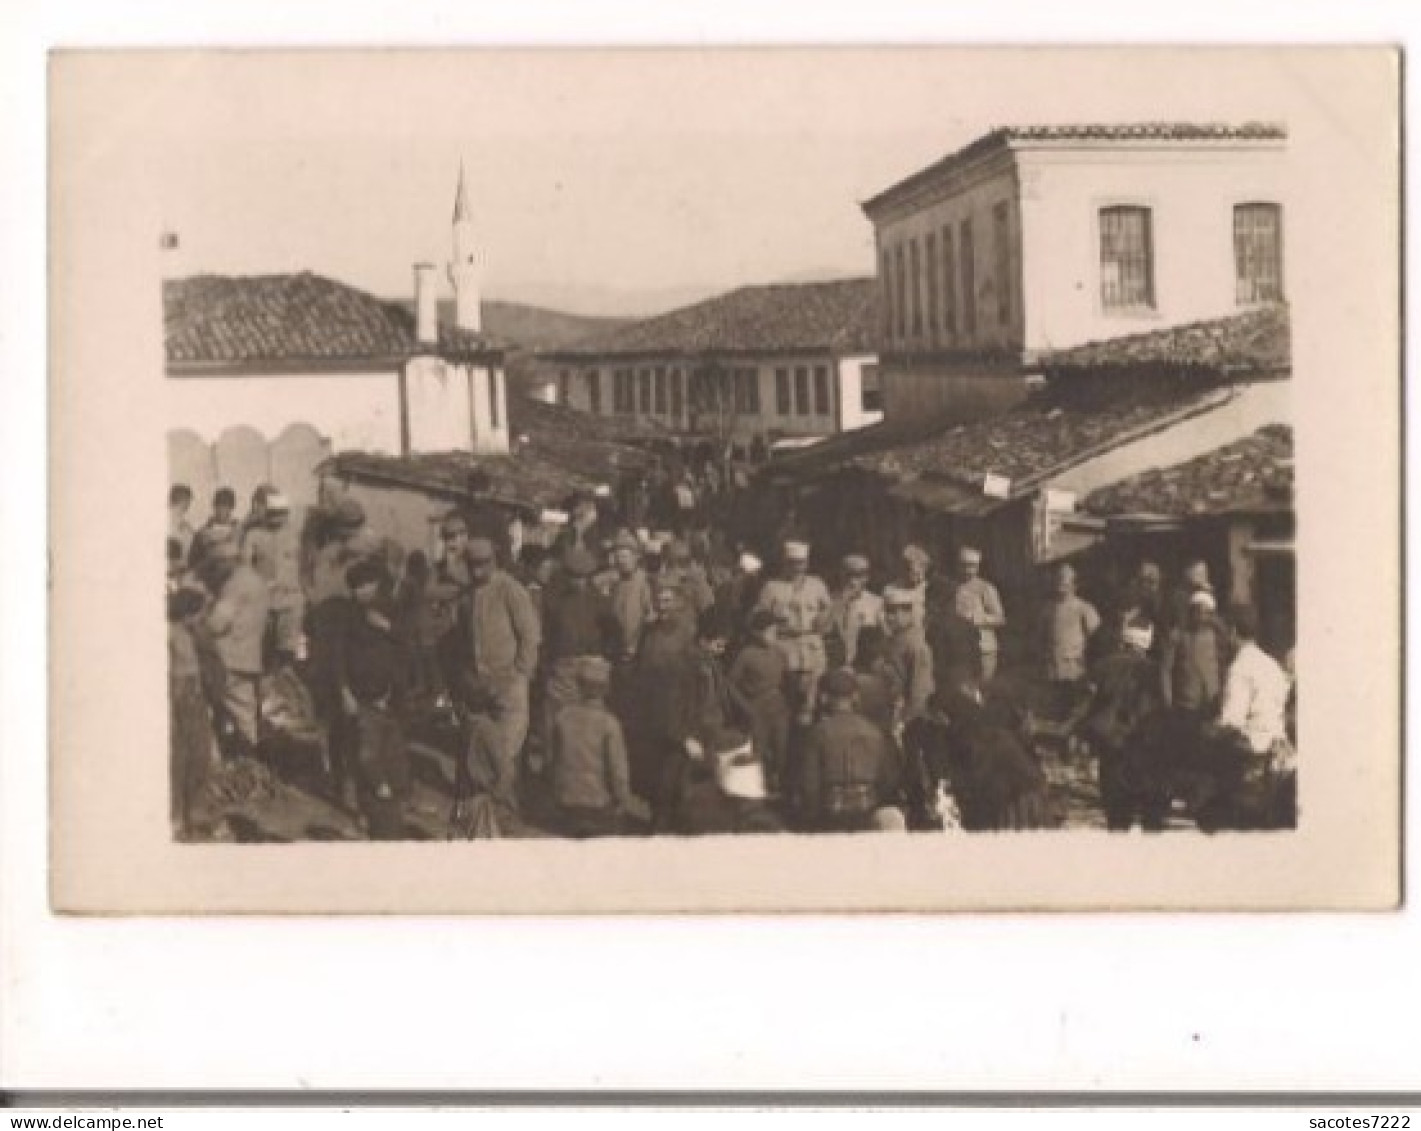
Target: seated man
{"points": [[850, 773]]}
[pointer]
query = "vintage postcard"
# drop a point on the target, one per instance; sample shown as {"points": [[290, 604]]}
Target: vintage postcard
{"points": [[714, 480]]}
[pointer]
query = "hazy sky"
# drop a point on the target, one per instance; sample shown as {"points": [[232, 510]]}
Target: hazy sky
{"points": [[607, 181]]}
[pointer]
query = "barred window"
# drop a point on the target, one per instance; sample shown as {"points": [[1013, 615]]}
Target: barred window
{"points": [[782, 405], [623, 395], [594, 392], [660, 391], [821, 391], [644, 389], [1127, 270], [801, 390], [969, 279], [1258, 252]]}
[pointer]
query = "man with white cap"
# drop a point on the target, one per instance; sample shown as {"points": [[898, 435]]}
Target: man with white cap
{"points": [[272, 548], [1123, 699], [1194, 659], [912, 583], [855, 606], [976, 600], [800, 603]]}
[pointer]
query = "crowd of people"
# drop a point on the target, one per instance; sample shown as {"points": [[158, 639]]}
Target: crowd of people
{"points": [[668, 682]]}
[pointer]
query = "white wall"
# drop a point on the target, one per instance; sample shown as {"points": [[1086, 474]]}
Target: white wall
{"points": [[1254, 406], [355, 411], [440, 414], [1191, 193], [852, 414]]}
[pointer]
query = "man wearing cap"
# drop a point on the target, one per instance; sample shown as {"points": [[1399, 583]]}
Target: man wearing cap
{"points": [[908, 656], [849, 771], [577, 625], [584, 528], [236, 623], [977, 601], [588, 759], [1193, 659], [757, 677], [272, 549], [913, 582], [1123, 698], [650, 711], [855, 607], [800, 603], [737, 595], [633, 605], [682, 570], [1067, 625], [501, 644], [1195, 579], [222, 522]]}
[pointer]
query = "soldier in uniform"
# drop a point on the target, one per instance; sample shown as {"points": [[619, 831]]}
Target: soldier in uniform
{"points": [[855, 607], [850, 776], [800, 604], [977, 601]]}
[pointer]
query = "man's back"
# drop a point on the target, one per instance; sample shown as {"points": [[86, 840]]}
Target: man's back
{"points": [[848, 770]]}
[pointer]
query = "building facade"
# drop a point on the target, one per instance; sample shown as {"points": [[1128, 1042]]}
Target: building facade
{"points": [[1035, 239], [775, 361]]}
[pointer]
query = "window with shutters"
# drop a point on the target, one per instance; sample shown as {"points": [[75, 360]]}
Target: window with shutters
{"points": [[747, 391], [969, 279], [885, 278], [1127, 270], [1258, 252], [594, 392], [930, 254], [915, 268], [900, 291], [644, 389], [949, 284], [801, 390], [821, 391], [1001, 246], [678, 395], [660, 391], [782, 403]]}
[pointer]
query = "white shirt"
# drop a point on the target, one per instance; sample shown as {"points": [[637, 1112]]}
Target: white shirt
{"points": [[1255, 698]]}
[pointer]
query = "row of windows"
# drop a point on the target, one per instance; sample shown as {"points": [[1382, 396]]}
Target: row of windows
{"points": [[799, 391], [946, 268], [923, 280]]}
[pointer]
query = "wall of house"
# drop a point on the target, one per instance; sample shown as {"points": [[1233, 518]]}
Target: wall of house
{"points": [[1253, 406], [354, 411], [849, 397], [990, 318], [1191, 193]]}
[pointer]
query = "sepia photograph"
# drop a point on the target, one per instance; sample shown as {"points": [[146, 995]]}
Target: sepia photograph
{"points": [[907, 463]]}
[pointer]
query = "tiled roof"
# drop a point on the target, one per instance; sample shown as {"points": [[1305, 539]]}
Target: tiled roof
{"points": [[565, 451], [263, 319], [1255, 341], [840, 316], [1063, 424], [1100, 131], [1251, 474]]}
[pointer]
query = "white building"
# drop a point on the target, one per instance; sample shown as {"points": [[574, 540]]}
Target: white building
{"points": [[775, 361], [265, 372], [1034, 239]]}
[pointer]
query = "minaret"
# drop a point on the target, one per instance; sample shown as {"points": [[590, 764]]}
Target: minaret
{"points": [[464, 270]]}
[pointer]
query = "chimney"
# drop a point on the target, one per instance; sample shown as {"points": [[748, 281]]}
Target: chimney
{"points": [[426, 304]]}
